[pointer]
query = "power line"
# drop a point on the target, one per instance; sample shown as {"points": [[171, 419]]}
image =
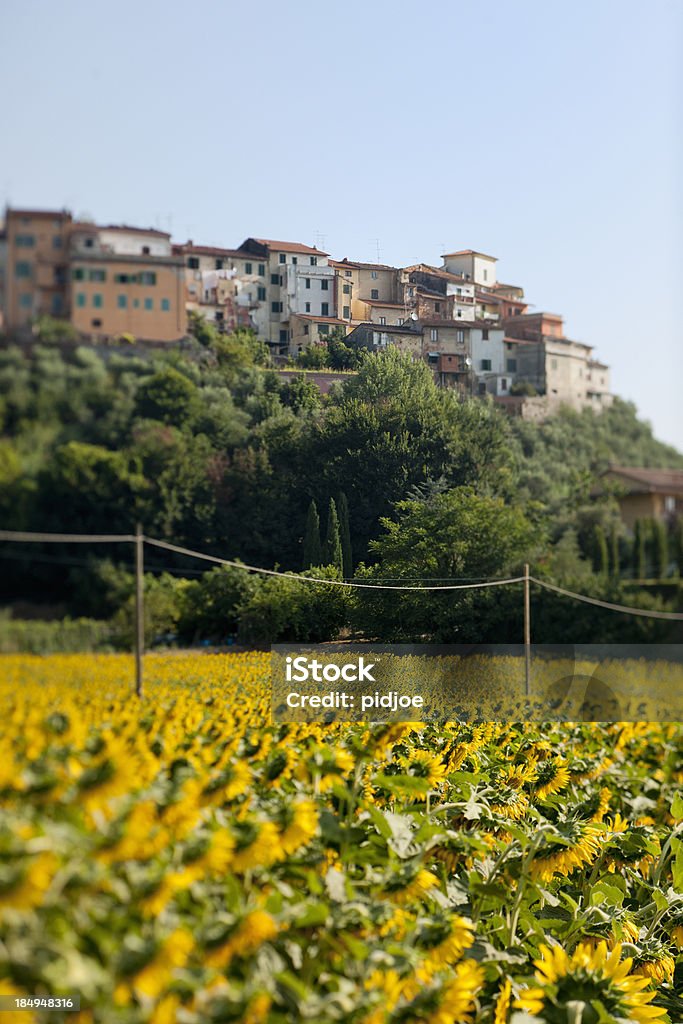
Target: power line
{"points": [[23, 536], [643, 612], [316, 579]]}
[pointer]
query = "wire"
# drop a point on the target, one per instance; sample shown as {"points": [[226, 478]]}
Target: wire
{"points": [[16, 535], [68, 538], [315, 579], [643, 612]]}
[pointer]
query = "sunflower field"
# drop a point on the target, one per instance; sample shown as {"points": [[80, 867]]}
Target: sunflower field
{"points": [[178, 858]]}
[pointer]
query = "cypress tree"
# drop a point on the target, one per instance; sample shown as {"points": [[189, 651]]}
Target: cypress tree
{"points": [[614, 553], [332, 552], [639, 554], [660, 549], [345, 534], [312, 546], [600, 552], [678, 544]]}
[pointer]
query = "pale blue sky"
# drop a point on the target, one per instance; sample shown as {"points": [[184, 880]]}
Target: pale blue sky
{"points": [[546, 134]]}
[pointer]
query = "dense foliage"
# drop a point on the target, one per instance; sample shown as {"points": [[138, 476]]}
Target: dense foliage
{"points": [[209, 448]]}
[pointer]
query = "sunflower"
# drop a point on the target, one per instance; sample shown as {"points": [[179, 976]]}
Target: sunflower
{"points": [[655, 962], [454, 1000], [552, 777], [511, 804], [444, 941], [303, 825], [503, 1003], [423, 765], [578, 844], [595, 977], [249, 935], [258, 845], [410, 885]]}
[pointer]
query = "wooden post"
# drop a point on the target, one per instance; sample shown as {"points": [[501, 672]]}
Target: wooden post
{"points": [[527, 633], [139, 607]]}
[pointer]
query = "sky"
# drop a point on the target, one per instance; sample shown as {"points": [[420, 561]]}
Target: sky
{"points": [[545, 134]]}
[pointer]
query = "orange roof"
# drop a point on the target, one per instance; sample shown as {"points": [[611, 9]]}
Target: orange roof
{"points": [[469, 252], [290, 246]]}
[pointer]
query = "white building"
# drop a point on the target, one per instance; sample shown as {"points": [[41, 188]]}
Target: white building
{"points": [[474, 266]]}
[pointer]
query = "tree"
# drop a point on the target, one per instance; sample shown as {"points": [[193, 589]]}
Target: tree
{"points": [[332, 551], [312, 545], [345, 535], [660, 549], [168, 396], [600, 552], [614, 559], [314, 357], [453, 535], [639, 551]]}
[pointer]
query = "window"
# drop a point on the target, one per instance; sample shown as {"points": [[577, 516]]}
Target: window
{"points": [[305, 332], [219, 264], [261, 293], [282, 258], [346, 313], [122, 301], [261, 270], [56, 304], [247, 268], [308, 282], [23, 269], [123, 278], [323, 329], [485, 274], [89, 243], [325, 285], [147, 277], [314, 261], [96, 323], [553, 364], [434, 334], [97, 300], [347, 273], [136, 303], [346, 288], [283, 336], [165, 305], [25, 241], [57, 242], [78, 274], [149, 304], [460, 335], [308, 307], [373, 275], [26, 300], [275, 279], [482, 388], [437, 307], [324, 309], [486, 364], [374, 294], [193, 262], [411, 292], [400, 321], [295, 260], [503, 384], [511, 365], [275, 307], [80, 299], [97, 275], [433, 357], [485, 335], [382, 320]]}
